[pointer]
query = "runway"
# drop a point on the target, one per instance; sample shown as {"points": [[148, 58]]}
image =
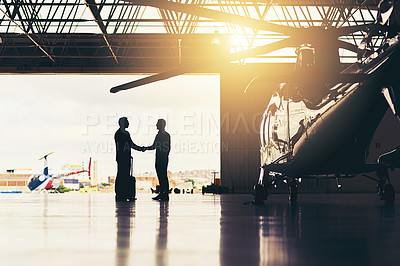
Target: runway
{"points": [[90, 229]]}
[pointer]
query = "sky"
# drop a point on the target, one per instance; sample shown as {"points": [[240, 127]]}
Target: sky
{"points": [[75, 116]]}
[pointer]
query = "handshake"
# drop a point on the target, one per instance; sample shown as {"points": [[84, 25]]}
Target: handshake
{"points": [[143, 149]]}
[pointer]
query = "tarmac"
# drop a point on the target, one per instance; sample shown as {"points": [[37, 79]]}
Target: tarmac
{"points": [[194, 229]]}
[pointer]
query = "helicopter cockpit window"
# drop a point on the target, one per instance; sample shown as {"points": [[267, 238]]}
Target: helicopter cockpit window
{"points": [[272, 109], [385, 9]]}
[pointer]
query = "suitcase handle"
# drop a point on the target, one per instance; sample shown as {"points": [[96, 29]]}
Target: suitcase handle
{"points": [[131, 166]]}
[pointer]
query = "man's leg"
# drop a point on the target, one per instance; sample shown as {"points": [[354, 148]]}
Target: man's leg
{"points": [[158, 171], [161, 169], [164, 184]]}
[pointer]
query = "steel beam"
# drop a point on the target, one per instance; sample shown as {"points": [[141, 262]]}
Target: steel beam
{"points": [[29, 36], [213, 14], [97, 17]]}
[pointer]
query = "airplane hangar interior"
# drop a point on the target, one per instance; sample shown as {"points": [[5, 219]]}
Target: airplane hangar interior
{"points": [[309, 131]]}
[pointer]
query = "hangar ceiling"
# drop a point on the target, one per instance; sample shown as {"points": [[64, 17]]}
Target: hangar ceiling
{"points": [[112, 36]]}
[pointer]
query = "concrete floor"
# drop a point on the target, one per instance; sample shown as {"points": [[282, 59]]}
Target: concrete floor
{"points": [[90, 229]]}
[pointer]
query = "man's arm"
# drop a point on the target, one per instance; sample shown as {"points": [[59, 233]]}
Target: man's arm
{"points": [[152, 147], [134, 146]]}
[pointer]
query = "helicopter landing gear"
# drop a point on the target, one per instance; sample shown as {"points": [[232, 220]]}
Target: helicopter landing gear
{"points": [[293, 190], [388, 194], [260, 191], [385, 191]]}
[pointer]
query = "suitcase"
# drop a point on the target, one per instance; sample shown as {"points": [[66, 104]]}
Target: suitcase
{"points": [[125, 188], [132, 184]]}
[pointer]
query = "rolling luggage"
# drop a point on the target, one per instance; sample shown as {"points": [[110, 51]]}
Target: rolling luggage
{"points": [[132, 184], [125, 186]]}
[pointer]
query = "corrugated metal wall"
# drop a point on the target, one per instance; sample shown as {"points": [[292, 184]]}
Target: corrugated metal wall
{"points": [[240, 118]]}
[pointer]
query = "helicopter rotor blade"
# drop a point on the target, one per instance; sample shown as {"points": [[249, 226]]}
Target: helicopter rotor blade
{"points": [[244, 21], [348, 46], [216, 15], [293, 77], [347, 30], [297, 36], [150, 79], [265, 49], [205, 65], [352, 47], [46, 155]]}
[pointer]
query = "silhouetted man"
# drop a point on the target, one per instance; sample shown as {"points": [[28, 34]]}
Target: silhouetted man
{"points": [[123, 145], [162, 145]]}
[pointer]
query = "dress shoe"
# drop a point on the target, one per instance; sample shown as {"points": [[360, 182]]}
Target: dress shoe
{"points": [[158, 197]]}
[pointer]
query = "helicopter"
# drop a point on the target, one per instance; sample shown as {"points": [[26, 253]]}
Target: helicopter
{"points": [[45, 181], [320, 123]]}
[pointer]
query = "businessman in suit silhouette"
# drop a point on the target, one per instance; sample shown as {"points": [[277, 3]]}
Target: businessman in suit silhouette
{"points": [[123, 143], [162, 145]]}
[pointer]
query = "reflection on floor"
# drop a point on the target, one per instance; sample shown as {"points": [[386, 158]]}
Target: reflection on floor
{"points": [[91, 229]]}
